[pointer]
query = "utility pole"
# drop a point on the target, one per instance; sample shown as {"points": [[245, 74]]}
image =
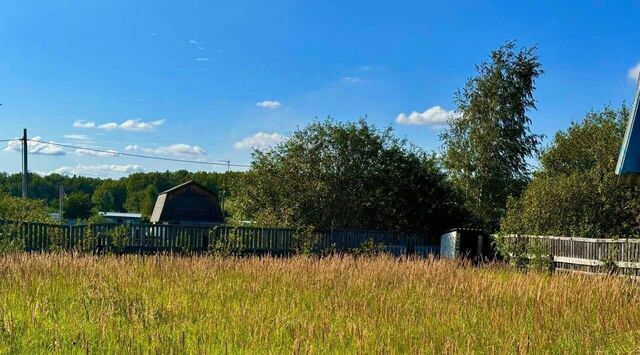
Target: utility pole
{"points": [[224, 186], [61, 201], [25, 165]]}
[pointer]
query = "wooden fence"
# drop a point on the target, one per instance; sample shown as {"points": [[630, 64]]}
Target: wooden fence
{"points": [[128, 238], [586, 254]]}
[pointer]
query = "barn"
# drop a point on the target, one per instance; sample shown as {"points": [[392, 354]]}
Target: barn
{"points": [[189, 203]]}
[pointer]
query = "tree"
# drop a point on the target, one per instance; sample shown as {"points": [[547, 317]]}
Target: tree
{"points": [[488, 143], [109, 196], [575, 193], [347, 175], [77, 205], [142, 201]]}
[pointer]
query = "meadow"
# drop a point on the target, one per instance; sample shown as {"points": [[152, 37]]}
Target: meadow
{"points": [[163, 304]]}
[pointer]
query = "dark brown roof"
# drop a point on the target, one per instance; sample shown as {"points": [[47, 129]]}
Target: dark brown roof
{"points": [[178, 187]]}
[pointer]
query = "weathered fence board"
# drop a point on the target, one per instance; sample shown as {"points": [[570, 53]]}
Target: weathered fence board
{"points": [[586, 254], [181, 238]]}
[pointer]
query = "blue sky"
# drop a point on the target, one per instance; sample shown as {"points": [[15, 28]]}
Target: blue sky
{"points": [[206, 80]]}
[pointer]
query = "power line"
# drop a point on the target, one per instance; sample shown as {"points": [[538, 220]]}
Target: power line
{"points": [[9, 145], [114, 152]]}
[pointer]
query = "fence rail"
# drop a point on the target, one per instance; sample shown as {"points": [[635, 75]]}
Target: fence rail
{"points": [[183, 238], [585, 254]]}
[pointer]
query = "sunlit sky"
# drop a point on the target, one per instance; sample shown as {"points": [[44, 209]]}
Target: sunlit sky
{"points": [[208, 80]]}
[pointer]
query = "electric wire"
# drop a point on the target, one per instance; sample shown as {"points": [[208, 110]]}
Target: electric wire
{"points": [[114, 152]]}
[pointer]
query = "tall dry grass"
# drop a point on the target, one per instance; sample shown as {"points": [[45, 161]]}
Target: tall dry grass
{"points": [[63, 303]]}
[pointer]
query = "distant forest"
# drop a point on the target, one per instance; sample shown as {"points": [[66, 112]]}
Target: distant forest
{"points": [[135, 193]]}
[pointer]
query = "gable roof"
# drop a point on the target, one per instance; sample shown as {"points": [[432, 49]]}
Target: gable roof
{"points": [[628, 167], [183, 185]]}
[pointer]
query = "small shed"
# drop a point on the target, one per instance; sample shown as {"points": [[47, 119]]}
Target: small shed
{"points": [[188, 203], [465, 243]]}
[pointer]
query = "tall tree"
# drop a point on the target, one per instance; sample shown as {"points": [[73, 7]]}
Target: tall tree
{"points": [[489, 141]]}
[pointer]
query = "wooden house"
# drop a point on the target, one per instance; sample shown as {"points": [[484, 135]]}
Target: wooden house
{"points": [[190, 204]]}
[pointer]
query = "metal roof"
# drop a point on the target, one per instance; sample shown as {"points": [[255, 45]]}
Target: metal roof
{"points": [[628, 167], [120, 214]]}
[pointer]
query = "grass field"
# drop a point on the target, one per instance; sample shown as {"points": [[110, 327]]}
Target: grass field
{"points": [[67, 304]]}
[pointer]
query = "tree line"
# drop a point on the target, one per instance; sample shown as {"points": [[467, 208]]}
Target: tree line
{"points": [[331, 175]]}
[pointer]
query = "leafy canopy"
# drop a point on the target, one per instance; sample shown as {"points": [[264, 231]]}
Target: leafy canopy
{"points": [[348, 175], [487, 145], [575, 193]]}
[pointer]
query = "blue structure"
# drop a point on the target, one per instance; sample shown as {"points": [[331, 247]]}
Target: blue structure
{"points": [[628, 168]]}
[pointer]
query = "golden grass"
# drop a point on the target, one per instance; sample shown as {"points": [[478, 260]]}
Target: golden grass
{"points": [[63, 303]]}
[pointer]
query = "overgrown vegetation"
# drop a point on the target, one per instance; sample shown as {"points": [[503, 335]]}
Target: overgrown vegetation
{"points": [[332, 175], [160, 304], [575, 193]]}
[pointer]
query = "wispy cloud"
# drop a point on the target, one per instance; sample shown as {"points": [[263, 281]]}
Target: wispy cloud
{"points": [[435, 116], [270, 104], [259, 140], [93, 153], [77, 137], [634, 72], [84, 124], [35, 146], [173, 149], [101, 171], [197, 44], [131, 125], [202, 59]]}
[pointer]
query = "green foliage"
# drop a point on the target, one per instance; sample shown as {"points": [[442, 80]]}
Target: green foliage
{"points": [[523, 252], [306, 240], [119, 236], [16, 211], [347, 175], [575, 193], [229, 244], [142, 201], [77, 205], [487, 145], [110, 196], [369, 248]]}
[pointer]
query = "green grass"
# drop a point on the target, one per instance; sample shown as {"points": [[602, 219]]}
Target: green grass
{"points": [[69, 304]]}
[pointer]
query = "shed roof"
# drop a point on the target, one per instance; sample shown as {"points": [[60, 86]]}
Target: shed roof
{"points": [[184, 184]]}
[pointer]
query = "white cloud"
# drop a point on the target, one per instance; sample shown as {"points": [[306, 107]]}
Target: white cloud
{"points": [[77, 137], [634, 72], [108, 126], [138, 125], [34, 146], [435, 116], [269, 104], [259, 140], [202, 59], [173, 149], [93, 153], [84, 124], [133, 125], [101, 171], [196, 44]]}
